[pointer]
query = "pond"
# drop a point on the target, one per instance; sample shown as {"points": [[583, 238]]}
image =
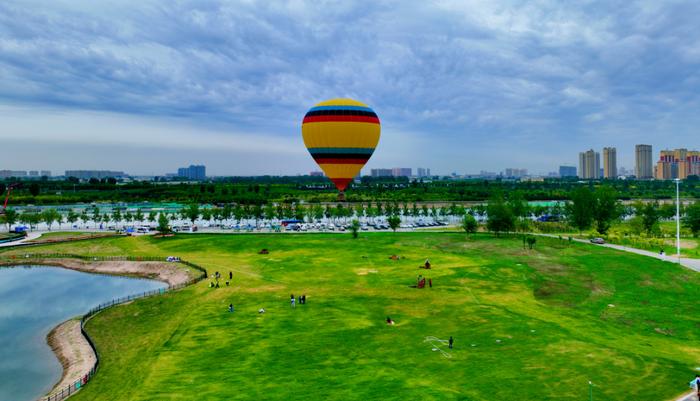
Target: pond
{"points": [[35, 299]]}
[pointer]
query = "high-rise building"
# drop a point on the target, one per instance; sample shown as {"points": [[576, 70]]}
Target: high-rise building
{"points": [[567, 171], [678, 163], [402, 171], [316, 173], [99, 174], [643, 168], [45, 173], [515, 172], [609, 163], [33, 173], [380, 172], [193, 172], [423, 172], [12, 173], [589, 165]]}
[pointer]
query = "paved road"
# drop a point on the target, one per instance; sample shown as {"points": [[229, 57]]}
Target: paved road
{"points": [[29, 237], [688, 397], [693, 264]]}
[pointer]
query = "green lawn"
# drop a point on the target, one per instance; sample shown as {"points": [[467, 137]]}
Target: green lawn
{"points": [[540, 321]]}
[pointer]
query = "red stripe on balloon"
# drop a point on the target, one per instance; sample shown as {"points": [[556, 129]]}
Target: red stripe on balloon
{"points": [[354, 119], [341, 183]]}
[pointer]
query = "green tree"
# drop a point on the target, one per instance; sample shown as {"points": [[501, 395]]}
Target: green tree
{"points": [[500, 216], [117, 217], [128, 216], [318, 212], [163, 224], [96, 216], [650, 216], [394, 222], [50, 216], [580, 210], [667, 211], [355, 228], [30, 219], [469, 224], [227, 212], [206, 214], [138, 216], [10, 217], [191, 212], [606, 208], [34, 189], [72, 217], [84, 217], [692, 218]]}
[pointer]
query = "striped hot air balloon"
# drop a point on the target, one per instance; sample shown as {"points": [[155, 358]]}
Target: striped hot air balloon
{"points": [[341, 135]]}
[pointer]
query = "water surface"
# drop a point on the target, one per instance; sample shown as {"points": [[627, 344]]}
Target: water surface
{"points": [[33, 300]]}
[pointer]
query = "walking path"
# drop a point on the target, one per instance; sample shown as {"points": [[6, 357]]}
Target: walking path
{"points": [[30, 237], [693, 264]]}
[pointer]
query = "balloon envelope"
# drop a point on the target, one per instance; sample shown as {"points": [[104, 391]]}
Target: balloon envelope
{"points": [[341, 135]]}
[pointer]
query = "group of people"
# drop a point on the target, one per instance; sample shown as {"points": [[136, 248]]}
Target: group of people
{"points": [[301, 299], [217, 276]]}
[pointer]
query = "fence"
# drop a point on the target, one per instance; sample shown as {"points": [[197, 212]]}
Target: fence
{"points": [[11, 238], [78, 384]]}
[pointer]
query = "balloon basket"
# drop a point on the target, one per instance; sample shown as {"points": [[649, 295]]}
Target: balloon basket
{"points": [[341, 197]]}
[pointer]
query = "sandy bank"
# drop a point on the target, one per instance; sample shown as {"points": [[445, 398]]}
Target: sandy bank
{"points": [[171, 273], [72, 350]]}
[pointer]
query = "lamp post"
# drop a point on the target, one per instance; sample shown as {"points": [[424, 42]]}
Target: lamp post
{"points": [[590, 390], [678, 219]]}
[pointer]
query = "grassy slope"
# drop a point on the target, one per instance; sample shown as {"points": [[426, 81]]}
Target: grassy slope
{"points": [[185, 346]]}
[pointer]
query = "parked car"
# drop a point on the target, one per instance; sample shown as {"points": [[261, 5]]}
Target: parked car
{"points": [[598, 241]]}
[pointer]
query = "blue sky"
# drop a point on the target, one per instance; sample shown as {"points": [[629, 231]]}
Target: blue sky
{"points": [[147, 86]]}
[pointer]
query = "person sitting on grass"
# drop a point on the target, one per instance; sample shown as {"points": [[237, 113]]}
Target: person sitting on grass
{"points": [[261, 310], [389, 321], [427, 264]]}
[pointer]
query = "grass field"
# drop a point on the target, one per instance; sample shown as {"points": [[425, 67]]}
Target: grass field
{"points": [[528, 324]]}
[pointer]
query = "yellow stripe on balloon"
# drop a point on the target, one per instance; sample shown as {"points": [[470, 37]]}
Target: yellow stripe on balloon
{"points": [[340, 135], [341, 170], [341, 102]]}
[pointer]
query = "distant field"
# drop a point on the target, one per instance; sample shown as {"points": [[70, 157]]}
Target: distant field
{"points": [[528, 324]]}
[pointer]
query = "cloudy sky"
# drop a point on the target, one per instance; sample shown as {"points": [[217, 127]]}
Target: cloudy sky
{"points": [[147, 86]]}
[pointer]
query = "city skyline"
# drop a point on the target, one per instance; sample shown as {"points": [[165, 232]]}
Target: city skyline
{"points": [[452, 83]]}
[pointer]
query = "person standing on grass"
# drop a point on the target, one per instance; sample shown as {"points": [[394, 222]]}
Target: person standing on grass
{"points": [[451, 341], [230, 307], [230, 275], [292, 300], [695, 384]]}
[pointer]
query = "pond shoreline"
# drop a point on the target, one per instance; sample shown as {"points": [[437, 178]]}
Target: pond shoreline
{"points": [[66, 340], [73, 352]]}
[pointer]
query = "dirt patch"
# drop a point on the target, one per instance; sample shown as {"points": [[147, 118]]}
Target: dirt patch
{"points": [[73, 351], [171, 273]]}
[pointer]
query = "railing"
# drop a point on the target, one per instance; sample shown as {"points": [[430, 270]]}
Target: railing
{"points": [[12, 238], [78, 384]]}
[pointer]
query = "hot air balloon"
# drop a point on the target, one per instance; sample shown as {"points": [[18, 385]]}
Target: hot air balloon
{"points": [[341, 135]]}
